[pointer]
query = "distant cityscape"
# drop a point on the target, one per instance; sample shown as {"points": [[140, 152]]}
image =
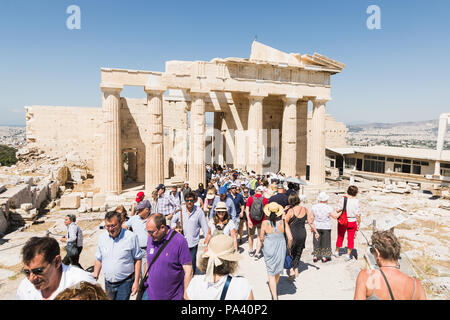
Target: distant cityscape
{"points": [[421, 134]]}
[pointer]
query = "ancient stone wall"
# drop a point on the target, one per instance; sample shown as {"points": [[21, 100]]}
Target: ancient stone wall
{"points": [[61, 131]]}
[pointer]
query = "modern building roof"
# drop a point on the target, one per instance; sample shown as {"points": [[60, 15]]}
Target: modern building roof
{"points": [[414, 153]]}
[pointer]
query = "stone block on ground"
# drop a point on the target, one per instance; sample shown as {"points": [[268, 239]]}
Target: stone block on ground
{"points": [[98, 200], [18, 195], [70, 201]]}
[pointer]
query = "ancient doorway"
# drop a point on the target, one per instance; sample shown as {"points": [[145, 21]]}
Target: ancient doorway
{"points": [[129, 165]]}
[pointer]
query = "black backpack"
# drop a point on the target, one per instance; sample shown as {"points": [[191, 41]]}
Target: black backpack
{"points": [[256, 210]]}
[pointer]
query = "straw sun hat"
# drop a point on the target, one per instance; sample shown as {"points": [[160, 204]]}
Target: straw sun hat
{"points": [[273, 207], [221, 247], [221, 206]]}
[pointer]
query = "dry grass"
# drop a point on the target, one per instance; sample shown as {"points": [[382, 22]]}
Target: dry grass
{"points": [[89, 224]]}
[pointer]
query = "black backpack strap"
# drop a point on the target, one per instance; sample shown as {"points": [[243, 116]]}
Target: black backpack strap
{"points": [[225, 288], [387, 283], [344, 208]]}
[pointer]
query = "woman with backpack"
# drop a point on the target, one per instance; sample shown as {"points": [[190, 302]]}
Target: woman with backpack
{"points": [[221, 223], [273, 243], [350, 205]]}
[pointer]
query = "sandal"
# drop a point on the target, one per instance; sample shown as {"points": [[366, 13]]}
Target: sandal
{"points": [[315, 259], [252, 253]]}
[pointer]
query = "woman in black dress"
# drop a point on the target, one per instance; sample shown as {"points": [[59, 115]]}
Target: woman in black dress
{"points": [[296, 217]]}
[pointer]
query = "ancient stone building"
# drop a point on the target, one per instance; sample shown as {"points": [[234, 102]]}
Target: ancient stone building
{"points": [[260, 110]]}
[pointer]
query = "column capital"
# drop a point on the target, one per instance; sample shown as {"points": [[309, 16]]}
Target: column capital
{"points": [[291, 99], [257, 96], [111, 87], [319, 100], [154, 91]]}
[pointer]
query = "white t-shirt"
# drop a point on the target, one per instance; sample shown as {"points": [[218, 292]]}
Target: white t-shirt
{"points": [[322, 219], [352, 208], [230, 225], [70, 276], [199, 289]]}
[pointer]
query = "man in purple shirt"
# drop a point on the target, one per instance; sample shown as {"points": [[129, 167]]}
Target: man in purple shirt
{"points": [[170, 274]]}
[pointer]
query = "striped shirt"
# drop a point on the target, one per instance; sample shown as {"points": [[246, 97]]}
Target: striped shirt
{"points": [[166, 205]]}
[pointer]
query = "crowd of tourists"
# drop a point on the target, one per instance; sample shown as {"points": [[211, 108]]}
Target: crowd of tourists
{"points": [[153, 253]]}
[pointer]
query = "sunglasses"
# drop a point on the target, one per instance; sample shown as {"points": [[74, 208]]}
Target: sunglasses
{"points": [[36, 271], [192, 200]]}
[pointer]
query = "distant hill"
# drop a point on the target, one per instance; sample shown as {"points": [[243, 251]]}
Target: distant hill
{"points": [[428, 124]]}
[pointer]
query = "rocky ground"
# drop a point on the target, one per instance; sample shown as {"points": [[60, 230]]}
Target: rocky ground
{"points": [[424, 237]]}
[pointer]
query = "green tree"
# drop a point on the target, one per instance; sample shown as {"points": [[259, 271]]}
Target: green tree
{"points": [[7, 155]]}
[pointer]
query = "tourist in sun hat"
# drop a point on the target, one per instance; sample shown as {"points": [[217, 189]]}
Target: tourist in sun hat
{"points": [[221, 223], [219, 262], [322, 214], [139, 197], [273, 242]]}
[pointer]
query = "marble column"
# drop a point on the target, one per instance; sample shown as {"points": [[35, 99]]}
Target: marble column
{"points": [[255, 127], [113, 167], [197, 170], [154, 147], [289, 137], [317, 169], [302, 137]]}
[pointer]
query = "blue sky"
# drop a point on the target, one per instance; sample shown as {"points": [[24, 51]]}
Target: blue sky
{"points": [[398, 73]]}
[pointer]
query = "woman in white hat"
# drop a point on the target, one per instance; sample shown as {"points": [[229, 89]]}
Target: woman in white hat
{"points": [[219, 262], [221, 223], [322, 213], [273, 242]]}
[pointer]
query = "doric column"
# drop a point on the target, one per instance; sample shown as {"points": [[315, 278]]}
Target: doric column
{"points": [[289, 137], [197, 170], [317, 172], [112, 170], [302, 137], [255, 126], [154, 146]]}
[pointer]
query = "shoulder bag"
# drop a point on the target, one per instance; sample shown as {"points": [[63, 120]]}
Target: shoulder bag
{"points": [[142, 285], [343, 220]]}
